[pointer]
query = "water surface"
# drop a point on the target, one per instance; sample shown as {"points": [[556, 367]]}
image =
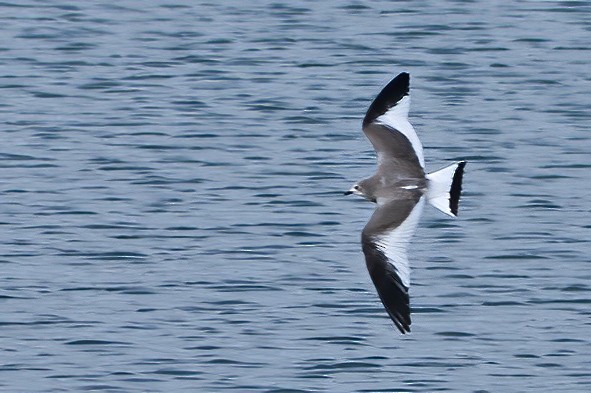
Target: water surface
{"points": [[172, 212]]}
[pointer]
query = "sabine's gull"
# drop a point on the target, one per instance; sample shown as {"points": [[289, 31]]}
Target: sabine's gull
{"points": [[399, 188]]}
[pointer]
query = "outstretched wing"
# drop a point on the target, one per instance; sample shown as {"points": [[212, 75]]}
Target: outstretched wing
{"points": [[387, 127], [385, 239]]}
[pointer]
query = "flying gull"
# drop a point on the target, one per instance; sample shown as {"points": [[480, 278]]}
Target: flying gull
{"points": [[399, 188]]}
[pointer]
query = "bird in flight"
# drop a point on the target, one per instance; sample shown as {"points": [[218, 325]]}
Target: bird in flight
{"points": [[399, 188]]}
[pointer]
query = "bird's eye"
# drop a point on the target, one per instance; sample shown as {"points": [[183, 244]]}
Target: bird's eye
{"points": [[356, 187]]}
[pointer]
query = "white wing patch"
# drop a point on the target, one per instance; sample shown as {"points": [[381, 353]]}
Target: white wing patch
{"points": [[397, 118], [395, 242]]}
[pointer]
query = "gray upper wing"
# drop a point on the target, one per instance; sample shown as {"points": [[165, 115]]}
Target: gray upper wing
{"points": [[396, 155]]}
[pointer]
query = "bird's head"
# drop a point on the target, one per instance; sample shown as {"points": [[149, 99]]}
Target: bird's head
{"points": [[364, 189], [356, 189]]}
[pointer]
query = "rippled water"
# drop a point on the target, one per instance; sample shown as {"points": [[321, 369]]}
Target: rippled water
{"points": [[172, 213]]}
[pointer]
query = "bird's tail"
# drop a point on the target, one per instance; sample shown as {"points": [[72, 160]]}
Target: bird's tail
{"points": [[445, 187]]}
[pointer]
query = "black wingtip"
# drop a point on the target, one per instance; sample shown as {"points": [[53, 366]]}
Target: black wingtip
{"points": [[400, 317], [456, 188], [394, 91], [402, 325]]}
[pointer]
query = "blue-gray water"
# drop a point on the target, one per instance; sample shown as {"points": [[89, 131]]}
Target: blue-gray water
{"points": [[172, 216]]}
